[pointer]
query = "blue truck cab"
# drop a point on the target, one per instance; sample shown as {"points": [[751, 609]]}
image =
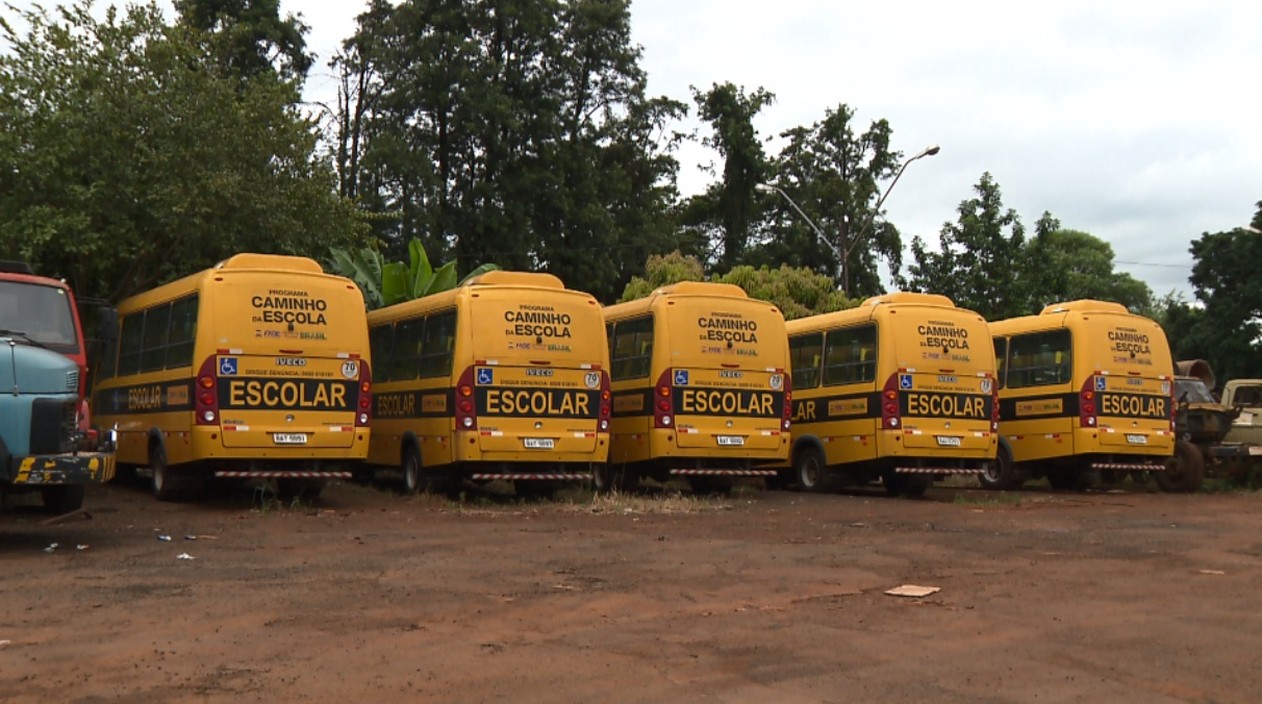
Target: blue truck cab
{"points": [[40, 437]]}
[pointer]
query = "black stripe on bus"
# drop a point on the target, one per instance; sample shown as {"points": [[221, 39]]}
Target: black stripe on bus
{"points": [[157, 397], [840, 407], [418, 403], [280, 393]]}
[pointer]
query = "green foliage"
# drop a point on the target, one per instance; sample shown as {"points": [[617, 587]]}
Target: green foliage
{"points": [[663, 270], [834, 175], [1071, 265], [726, 209], [387, 283], [798, 292], [1224, 279], [126, 160], [515, 131], [249, 37], [980, 263]]}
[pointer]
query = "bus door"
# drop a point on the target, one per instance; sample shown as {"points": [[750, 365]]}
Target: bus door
{"points": [[1133, 413], [274, 401], [536, 409], [943, 410], [727, 408]]}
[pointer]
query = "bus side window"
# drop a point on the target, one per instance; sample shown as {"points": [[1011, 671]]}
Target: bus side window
{"points": [[1040, 359], [183, 332], [805, 355], [153, 354], [632, 349], [130, 342], [380, 346], [850, 356], [1001, 360], [406, 359], [438, 345]]}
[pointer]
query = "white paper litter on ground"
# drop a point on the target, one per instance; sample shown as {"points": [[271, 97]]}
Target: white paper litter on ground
{"points": [[913, 590]]}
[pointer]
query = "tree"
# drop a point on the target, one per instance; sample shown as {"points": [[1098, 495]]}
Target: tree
{"points": [[726, 209], [516, 131], [1224, 279], [126, 160], [249, 36], [834, 174], [980, 260], [797, 292], [1070, 264]]}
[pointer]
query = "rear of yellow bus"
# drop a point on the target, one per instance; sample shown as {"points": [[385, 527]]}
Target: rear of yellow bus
{"points": [[939, 403], [283, 388], [534, 404], [1125, 406], [721, 401]]}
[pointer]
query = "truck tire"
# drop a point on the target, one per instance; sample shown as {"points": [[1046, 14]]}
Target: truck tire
{"points": [[1184, 472], [63, 498]]}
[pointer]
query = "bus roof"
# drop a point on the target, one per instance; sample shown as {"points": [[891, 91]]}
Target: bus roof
{"points": [[500, 277], [1085, 305], [909, 298], [250, 260]]}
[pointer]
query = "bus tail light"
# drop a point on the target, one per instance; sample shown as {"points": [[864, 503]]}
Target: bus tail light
{"points": [[994, 407], [1087, 410], [788, 401], [466, 405], [606, 403], [363, 414], [663, 403], [206, 393], [891, 416]]}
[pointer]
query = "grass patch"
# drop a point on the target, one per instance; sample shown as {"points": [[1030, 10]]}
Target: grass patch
{"points": [[631, 503], [988, 500]]}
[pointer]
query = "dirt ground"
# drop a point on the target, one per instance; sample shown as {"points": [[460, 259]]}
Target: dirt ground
{"points": [[367, 595]]}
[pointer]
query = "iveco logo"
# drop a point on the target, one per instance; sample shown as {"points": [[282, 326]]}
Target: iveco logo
{"points": [[725, 374], [291, 362], [538, 372]]}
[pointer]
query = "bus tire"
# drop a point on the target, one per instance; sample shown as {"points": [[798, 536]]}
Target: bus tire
{"points": [[62, 498], [999, 474], [809, 469], [412, 479], [1184, 472], [165, 484]]}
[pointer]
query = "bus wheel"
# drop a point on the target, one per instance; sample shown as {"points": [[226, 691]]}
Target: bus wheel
{"points": [[62, 498], [411, 470], [1184, 472], [165, 485], [999, 474], [809, 467]]}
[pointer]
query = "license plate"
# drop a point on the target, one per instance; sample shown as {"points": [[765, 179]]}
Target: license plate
{"points": [[948, 440], [539, 443], [289, 438], [731, 439], [1137, 439]]}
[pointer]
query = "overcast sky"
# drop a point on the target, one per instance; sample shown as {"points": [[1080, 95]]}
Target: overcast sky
{"points": [[1133, 121]]}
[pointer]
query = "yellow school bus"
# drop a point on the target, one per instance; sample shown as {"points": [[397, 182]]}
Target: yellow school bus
{"points": [[256, 368], [501, 378], [900, 389], [700, 387], [1085, 387]]}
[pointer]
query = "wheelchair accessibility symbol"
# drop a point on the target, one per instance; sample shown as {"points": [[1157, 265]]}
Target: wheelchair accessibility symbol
{"points": [[485, 376], [1100, 383], [228, 366], [904, 381], [681, 377]]}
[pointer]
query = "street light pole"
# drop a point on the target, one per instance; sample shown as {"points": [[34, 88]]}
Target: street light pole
{"points": [[768, 188], [847, 245]]}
